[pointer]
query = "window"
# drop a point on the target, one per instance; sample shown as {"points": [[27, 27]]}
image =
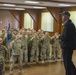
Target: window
{"points": [[47, 21], [73, 16], [28, 21]]}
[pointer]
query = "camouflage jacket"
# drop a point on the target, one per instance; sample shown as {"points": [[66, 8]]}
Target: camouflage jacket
{"points": [[24, 39], [16, 46], [45, 40], [3, 50], [35, 41]]}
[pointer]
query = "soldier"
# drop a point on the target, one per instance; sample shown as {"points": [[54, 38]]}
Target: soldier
{"points": [[45, 47], [17, 53], [29, 34], [35, 48], [24, 39], [20, 32], [15, 31], [41, 34], [3, 36], [33, 32], [55, 47], [3, 50]]}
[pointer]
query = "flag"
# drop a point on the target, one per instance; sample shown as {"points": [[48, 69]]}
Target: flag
{"points": [[9, 35]]}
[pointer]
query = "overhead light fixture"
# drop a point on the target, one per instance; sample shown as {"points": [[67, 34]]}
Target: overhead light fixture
{"points": [[19, 8], [64, 5], [8, 4], [32, 2], [39, 7]]}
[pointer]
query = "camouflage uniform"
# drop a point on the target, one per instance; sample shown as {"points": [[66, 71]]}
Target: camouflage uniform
{"points": [[24, 39], [4, 39], [55, 48], [35, 49], [29, 46], [3, 50], [5, 44], [17, 53], [40, 36], [45, 48], [13, 37]]}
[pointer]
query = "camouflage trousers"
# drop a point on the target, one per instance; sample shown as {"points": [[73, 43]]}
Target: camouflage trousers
{"points": [[45, 53], [13, 60], [34, 54], [25, 55], [54, 53], [2, 66]]}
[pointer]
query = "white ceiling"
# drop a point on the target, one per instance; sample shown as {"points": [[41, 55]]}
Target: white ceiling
{"points": [[42, 3]]}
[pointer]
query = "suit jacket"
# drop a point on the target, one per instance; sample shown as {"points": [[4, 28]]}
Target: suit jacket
{"points": [[68, 35]]}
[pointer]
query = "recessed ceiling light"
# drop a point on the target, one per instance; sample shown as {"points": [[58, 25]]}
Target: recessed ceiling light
{"points": [[32, 2], [39, 7], [64, 5], [8, 4], [19, 8]]}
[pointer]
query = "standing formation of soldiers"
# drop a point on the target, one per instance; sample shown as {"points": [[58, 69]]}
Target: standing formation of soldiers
{"points": [[28, 45]]}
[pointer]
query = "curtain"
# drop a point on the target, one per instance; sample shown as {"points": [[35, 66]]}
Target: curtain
{"points": [[73, 16], [28, 21], [47, 21]]}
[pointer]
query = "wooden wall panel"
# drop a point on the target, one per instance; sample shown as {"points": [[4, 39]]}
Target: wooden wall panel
{"points": [[21, 19], [56, 14], [69, 9], [36, 16], [6, 17], [18, 20]]}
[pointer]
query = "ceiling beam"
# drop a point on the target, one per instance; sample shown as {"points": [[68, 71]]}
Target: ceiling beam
{"points": [[55, 1]]}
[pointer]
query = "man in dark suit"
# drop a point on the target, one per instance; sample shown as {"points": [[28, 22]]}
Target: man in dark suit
{"points": [[67, 43]]}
